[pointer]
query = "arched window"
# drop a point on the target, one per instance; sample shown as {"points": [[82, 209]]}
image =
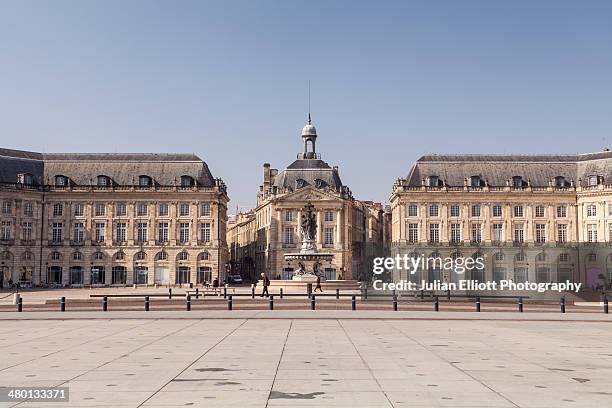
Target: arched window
{"points": [[204, 256], [144, 181], [56, 256], [97, 256], [476, 181], [183, 256], [119, 256], [592, 257], [541, 257], [520, 257], [560, 182], [77, 256], [140, 256], [186, 181], [6, 256], [27, 256], [300, 183], [161, 256], [103, 181], [434, 181], [517, 182]]}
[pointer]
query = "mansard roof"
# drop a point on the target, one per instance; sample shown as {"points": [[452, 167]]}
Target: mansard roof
{"points": [[122, 168], [496, 170], [308, 172]]}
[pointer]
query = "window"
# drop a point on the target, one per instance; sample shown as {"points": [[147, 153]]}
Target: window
{"points": [[99, 228], [561, 211], [5, 230], [204, 256], [186, 181], [329, 236], [162, 210], [205, 232], [475, 211], [288, 235], [413, 233], [184, 210], [591, 210], [434, 181], [413, 210], [26, 230], [141, 232], [100, 210], [539, 211], [609, 209], [517, 182], [79, 232], [519, 233], [184, 232], [205, 210], [6, 207], [77, 256], [497, 232], [520, 257], [120, 228], [56, 232], [79, 209], [497, 211], [591, 257], [142, 210], [144, 181], [518, 210], [162, 232], [58, 209], [56, 256], [454, 210], [28, 209], [563, 257], [140, 256], [183, 256], [329, 216], [593, 180], [434, 210], [103, 181], [289, 215], [540, 232], [477, 233], [499, 256], [434, 232], [61, 181], [119, 256], [455, 233], [120, 210], [591, 232], [561, 232], [98, 256], [560, 182], [610, 232], [475, 181]]}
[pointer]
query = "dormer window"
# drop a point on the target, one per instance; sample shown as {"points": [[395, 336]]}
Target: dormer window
{"points": [[186, 181], [25, 178], [476, 181], [300, 183], [145, 181], [595, 180], [320, 183], [434, 181], [517, 182], [561, 182], [104, 181], [61, 181]]}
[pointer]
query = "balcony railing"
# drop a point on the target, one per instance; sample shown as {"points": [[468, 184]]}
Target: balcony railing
{"points": [[7, 241], [28, 242], [77, 242]]}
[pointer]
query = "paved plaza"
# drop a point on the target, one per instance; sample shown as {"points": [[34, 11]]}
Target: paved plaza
{"points": [[314, 359]]}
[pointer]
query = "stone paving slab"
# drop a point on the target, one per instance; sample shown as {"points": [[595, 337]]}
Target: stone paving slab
{"points": [[338, 360]]}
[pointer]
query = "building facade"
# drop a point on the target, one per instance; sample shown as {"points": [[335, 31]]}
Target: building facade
{"points": [[535, 218], [271, 230], [110, 219]]}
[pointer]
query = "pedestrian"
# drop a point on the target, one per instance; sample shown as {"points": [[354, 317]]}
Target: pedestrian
{"points": [[318, 286], [265, 282]]}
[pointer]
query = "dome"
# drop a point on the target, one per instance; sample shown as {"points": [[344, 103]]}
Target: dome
{"points": [[309, 130]]}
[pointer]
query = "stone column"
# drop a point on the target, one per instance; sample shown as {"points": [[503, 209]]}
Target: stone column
{"points": [[338, 229], [319, 239]]}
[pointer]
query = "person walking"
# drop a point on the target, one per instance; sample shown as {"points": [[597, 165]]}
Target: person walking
{"points": [[318, 286], [265, 283]]}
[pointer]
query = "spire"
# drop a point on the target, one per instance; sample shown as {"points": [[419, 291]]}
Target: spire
{"points": [[309, 120]]}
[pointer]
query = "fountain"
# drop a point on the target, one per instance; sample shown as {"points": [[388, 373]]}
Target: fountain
{"points": [[308, 259]]}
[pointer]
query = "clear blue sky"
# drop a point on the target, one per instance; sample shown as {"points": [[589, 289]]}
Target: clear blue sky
{"points": [[228, 81]]}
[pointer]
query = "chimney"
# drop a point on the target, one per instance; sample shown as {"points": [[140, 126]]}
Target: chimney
{"points": [[266, 176]]}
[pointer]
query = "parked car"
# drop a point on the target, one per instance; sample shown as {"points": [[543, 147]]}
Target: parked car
{"points": [[236, 279]]}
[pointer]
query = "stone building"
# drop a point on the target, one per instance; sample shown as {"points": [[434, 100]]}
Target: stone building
{"points": [[537, 218], [110, 219], [272, 230]]}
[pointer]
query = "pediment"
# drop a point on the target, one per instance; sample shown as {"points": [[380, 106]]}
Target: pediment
{"points": [[309, 194]]}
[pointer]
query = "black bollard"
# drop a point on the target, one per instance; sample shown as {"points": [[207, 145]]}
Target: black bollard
{"points": [[271, 302], [225, 292], [394, 303], [253, 292], [281, 293], [448, 295], [353, 303], [436, 304], [337, 293], [62, 304], [366, 293], [422, 295], [605, 302], [197, 293], [146, 303], [520, 304], [188, 300], [312, 302], [309, 289], [562, 304], [169, 293], [20, 304], [230, 303], [478, 304], [105, 304]]}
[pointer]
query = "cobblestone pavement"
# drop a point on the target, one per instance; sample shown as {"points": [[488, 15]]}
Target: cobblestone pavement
{"points": [[316, 359]]}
